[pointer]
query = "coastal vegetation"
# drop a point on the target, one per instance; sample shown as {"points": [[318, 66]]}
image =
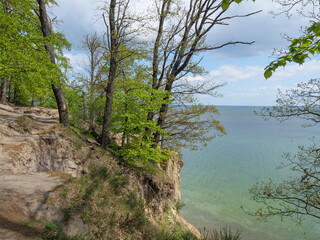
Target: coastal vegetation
{"points": [[297, 197], [145, 94], [137, 102]]}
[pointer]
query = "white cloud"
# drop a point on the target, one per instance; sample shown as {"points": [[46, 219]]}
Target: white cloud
{"points": [[234, 73], [304, 72], [79, 18], [76, 61], [263, 28]]}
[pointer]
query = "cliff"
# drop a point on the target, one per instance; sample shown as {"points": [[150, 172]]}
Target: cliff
{"points": [[55, 181]]}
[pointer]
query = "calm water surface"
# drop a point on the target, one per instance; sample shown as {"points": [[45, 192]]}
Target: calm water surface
{"points": [[215, 181]]}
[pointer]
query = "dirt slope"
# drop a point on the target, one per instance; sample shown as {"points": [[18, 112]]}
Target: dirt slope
{"points": [[34, 149], [22, 188]]}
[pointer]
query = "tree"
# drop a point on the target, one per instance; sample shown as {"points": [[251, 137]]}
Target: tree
{"points": [[5, 81], [21, 57], [91, 81], [299, 196], [300, 102], [46, 27], [3, 93], [117, 35], [175, 46], [305, 46], [24, 63], [134, 99]]}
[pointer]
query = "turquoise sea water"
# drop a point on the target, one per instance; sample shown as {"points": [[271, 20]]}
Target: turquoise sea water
{"points": [[215, 181]]}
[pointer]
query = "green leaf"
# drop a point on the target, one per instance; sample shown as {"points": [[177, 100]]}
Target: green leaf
{"points": [[299, 58], [238, 1], [267, 73], [316, 28], [225, 5]]}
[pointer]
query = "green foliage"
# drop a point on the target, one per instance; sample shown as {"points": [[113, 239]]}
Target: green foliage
{"points": [[23, 58], [72, 94], [179, 206], [53, 231], [226, 3], [133, 100], [299, 50], [297, 197], [187, 126], [222, 234]]}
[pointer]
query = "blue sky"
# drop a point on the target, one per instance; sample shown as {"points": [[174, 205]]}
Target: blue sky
{"points": [[241, 66]]}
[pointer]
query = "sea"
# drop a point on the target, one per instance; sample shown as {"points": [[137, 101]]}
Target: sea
{"points": [[215, 181]]}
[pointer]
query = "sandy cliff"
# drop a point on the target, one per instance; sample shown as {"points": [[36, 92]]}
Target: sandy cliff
{"points": [[34, 149]]}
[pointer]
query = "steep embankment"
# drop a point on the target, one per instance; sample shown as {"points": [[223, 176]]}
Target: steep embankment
{"points": [[103, 195]]}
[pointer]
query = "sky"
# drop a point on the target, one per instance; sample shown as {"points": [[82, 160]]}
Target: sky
{"points": [[241, 67]]}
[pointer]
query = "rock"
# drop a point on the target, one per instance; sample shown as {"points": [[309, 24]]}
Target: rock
{"points": [[75, 226]]}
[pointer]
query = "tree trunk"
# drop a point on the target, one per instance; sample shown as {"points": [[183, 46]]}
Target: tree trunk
{"points": [[105, 137], [5, 81], [85, 106], [105, 141], [62, 105], [163, 112], [46, 28], [155, 63], [3, 93], [11, 89]]}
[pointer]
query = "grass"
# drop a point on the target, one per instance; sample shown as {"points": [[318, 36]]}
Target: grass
{"points": [[179, 206], [25, 124], [111, 207], [222, 234], [82, 132], [53, 231]]}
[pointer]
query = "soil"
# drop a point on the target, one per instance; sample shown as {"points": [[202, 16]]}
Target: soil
{"points": [[23, 194]]}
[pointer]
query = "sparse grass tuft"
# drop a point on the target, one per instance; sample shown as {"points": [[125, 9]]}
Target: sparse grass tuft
{"points": [[222, 234], [52, 231], [179, 206], [24, 124]]}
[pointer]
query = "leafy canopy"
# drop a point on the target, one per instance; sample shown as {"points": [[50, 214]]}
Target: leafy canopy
{"points": [[23, 58]]}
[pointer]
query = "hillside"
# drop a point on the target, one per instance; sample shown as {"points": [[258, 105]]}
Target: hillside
{"points": [[55, 183]]}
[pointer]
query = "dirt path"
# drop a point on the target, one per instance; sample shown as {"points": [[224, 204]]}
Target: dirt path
{"points": [[23, 191]]}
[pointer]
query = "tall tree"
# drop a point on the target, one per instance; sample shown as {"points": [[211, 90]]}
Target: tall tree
{"points": [[46, 27], [3, 93], [23, 58], [91, 80], [117, 35], [5, 80], [183, 40]]}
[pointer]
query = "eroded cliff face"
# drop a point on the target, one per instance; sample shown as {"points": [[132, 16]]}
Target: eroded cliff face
{"points": [[163, 195], [30, 142], [32, 145]]}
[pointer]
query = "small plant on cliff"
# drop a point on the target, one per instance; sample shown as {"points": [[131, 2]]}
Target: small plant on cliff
{"points": [[54, 231], [221, 234], [179, 206]]}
